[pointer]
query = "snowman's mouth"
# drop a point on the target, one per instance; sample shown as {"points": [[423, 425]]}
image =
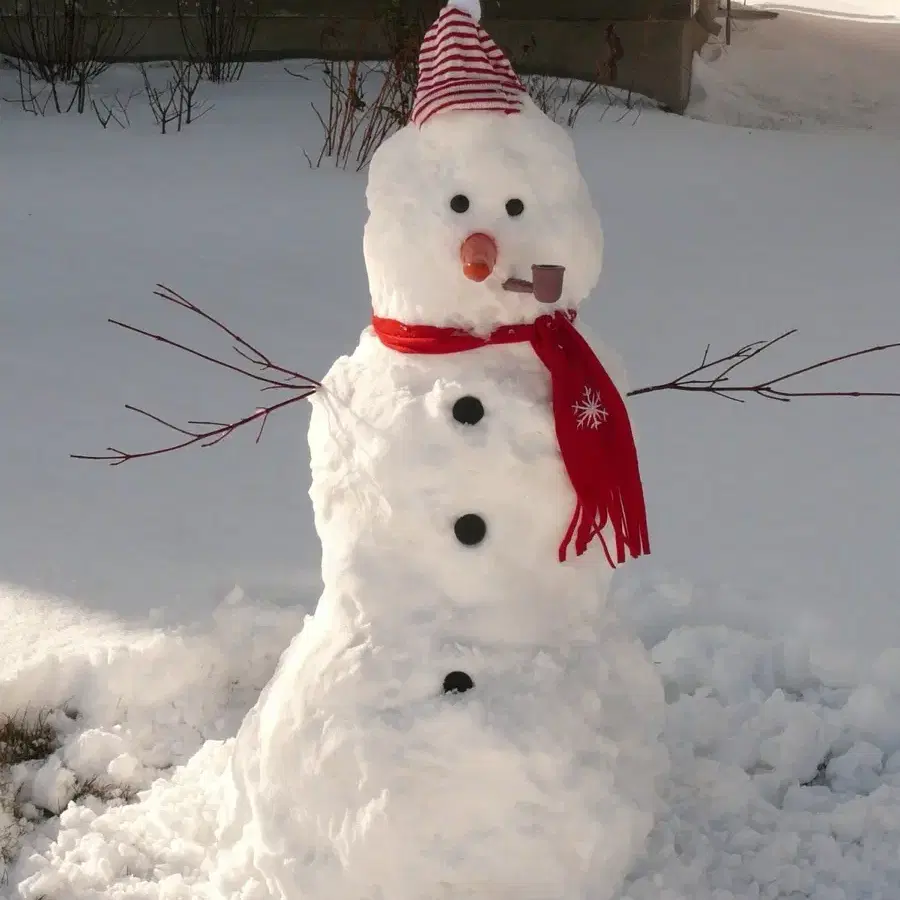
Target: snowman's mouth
{"points": [[546, 286]]}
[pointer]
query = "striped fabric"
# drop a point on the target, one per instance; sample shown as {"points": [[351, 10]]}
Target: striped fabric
{"points": [[460, 67]]}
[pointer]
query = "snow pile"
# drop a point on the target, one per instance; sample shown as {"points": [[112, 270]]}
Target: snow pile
{"points": [[783, 785], [157, 848], [125, 707]]}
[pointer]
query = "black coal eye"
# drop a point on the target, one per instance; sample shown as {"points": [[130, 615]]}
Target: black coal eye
{"points": [[515, 207], [459, 203]]}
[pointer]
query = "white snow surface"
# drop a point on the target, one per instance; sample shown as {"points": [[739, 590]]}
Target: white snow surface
{"points": [[803, 73], [768, 606], [865, 10]]}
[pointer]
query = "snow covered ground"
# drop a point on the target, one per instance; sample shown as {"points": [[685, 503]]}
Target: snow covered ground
{"points": [[802, 72], [770, 601], [865, 10]]}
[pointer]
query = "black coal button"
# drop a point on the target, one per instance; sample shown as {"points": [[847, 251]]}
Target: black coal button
{"points": [[470, 529], [458, 683], [468, 410]]}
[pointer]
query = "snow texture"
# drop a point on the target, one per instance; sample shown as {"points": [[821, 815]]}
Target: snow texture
{"points": [[782, 785], [545, 775], [139, 704]]}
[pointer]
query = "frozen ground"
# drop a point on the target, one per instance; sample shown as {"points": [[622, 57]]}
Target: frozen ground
{"points": [[774, 527]]}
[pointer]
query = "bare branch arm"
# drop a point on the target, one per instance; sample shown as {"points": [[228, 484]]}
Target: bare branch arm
{"points": [[209, 438], [718, 372], [247, 350], [206, 433]]}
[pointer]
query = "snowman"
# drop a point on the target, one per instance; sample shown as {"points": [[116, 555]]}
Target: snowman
{"points": [[462, 717]]}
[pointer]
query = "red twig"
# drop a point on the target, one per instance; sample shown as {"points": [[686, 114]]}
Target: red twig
{"points": [[719, 383], [243, 348], [212, 433], [217, 433]]}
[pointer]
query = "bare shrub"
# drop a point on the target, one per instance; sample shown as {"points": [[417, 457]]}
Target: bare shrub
{"points": [[218, 35], [368, 101], [115, 110], [562, 99], [34, 97], [403, 32], [359, 117], [175, 105], [58, 45]]}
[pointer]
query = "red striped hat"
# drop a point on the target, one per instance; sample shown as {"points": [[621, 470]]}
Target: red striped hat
{"points": [[460, 67]]}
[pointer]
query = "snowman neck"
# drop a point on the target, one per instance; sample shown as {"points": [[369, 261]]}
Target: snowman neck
{"points": [[483, 315]]}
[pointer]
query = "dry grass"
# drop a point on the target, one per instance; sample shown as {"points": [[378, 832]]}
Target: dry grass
{"points": [[25, 737], [107, 791], [30, 737]]}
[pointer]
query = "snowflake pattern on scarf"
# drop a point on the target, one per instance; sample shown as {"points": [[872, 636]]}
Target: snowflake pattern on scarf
{"points": [[591, 413]]}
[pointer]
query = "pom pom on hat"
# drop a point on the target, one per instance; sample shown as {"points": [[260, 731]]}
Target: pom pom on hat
{"points": [[472, 7], [461, 68]]}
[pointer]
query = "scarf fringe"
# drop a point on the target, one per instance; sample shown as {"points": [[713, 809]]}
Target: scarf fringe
{"points": [[586, 525]]}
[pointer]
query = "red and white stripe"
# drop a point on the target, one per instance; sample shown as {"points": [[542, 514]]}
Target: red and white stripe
{"points": [[460, 67]]}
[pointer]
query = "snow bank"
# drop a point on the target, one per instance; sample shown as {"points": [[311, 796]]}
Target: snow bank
{"points": [[182, 680], [802, 73], [783, 785], [129, 706]]}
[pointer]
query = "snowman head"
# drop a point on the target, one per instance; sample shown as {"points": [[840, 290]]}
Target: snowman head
{"points": [[479, 187]]}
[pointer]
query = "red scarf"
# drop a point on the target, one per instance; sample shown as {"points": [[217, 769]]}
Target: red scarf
{"points": [[592, 425]]}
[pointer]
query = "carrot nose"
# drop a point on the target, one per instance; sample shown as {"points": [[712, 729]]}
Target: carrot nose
{"points": [[479, 256]]}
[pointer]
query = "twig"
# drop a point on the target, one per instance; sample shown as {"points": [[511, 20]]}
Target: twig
{"points": [[212, 359], [250, 352], [300, 385], [109, 114], [719, 371], [210, 438]]}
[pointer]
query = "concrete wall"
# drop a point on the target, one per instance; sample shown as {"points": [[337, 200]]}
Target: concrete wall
{"points": [[567, 37]]}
